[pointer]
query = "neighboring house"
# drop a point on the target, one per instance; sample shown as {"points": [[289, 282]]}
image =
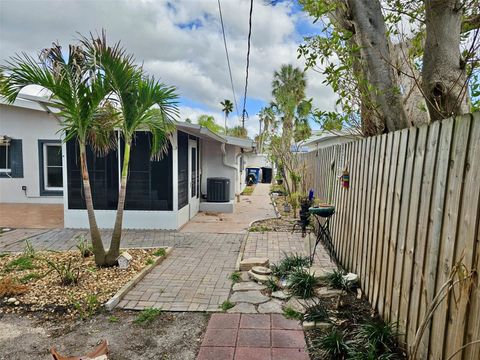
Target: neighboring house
{"points": [[322, 139], [161, 193]]}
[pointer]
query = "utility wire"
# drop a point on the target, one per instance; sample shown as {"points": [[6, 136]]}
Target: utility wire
{"points": [[228, 58], [244, 112]]}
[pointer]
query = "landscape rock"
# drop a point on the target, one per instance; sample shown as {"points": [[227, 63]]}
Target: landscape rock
{"points": [[251, 297], [246, 286], [299, 305], [124, 260], [350, 278], [11, 300], [242, 308], [325, 292], [261, 270], [271, 307], [310, 325], [281, 294], [260, 278], [248, 264], [244, 276]]}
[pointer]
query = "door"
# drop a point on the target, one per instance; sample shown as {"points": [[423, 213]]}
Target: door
{"points": [[193, 178]]}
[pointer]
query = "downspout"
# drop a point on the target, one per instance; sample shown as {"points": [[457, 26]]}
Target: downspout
{"points": [[225, 163]]}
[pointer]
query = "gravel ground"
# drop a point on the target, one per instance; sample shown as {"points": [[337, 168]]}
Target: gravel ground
{"points": [[170, 336]]}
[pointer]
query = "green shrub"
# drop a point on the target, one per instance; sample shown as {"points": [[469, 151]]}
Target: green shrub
{"points": [[147, 315], [227, 305], [21, 263], [332, 344], [378, 335], [149, 261], [301, 283], [335, 280], [160, 252], [290, 313], [316, 312], [288, 264], [85, 248], [235, 277]]}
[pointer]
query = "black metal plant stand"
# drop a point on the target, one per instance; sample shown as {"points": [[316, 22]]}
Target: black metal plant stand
{"points": [[323, 233]]}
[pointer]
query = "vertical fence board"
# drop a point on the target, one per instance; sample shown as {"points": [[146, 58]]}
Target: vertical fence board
{"points": [[358, 188], [364, 213]]}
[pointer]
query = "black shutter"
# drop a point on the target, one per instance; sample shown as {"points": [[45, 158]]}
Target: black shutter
{"points": [[16, 158]]}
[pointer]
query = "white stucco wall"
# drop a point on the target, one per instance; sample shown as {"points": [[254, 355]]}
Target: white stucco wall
{"points": [[29, 126], [212, 165]]}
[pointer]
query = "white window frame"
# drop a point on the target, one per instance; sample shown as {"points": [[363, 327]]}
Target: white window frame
{"points": [[9, 168], [46, 166]]}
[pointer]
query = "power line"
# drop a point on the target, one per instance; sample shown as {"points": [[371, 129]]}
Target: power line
{"points": [[244, 112], [228, 58]]}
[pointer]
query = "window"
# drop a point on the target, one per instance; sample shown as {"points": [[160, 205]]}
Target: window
{"points": [[4, 158], [51, 172]]}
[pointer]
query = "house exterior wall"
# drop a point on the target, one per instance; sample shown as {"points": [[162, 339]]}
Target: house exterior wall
{"points": [[30, 126]]}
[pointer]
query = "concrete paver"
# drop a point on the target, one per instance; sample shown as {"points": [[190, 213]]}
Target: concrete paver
{"points": [[255, 337]]}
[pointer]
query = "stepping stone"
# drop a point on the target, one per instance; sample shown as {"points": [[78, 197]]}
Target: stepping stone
{"points": [[271, 307], [242, 308], [325, 292], [300, 304], [246, 286], [251, 297], [244, 276], [260, 278], [248, 264], [282, 295], [261, 270]]}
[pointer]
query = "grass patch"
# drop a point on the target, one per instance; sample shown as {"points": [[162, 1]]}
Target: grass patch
{"points": [[260, 228], [227, 305], [160, 252], [113, 319], [290, 313], [316, 312], [29, 277], [378, 337], [4, 255], [333, 345], [235, 277], [29, 251], [335, 280], [148, 315], [21, 263], [248, 190], [149, 261], [302, 284], [289, 263]]}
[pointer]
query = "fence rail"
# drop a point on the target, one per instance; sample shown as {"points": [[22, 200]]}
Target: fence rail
{"points": [[410, 215]]}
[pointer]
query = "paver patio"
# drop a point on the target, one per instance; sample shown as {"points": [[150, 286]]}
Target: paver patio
{"points": [[252, 337]]}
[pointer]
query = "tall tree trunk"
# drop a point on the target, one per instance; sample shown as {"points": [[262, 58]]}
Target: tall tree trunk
{"points": [[443, 72], [371, 36], [114, 250], [98, 249]]}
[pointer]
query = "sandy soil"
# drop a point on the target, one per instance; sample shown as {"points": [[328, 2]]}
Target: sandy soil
{"points": [[170, 336]]}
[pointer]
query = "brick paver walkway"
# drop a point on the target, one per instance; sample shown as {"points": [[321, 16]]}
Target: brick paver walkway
{"points": [[252, 337], [194, 277], [274, 244]]}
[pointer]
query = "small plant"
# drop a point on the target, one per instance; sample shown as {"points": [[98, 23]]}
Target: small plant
{"points": [[316, 312], [302, 284], [9, 287], [85, 248], [259, 229], [113, 319], [226, 305], [335, 280], [67, 274], [288, 264], [21, 263], [149, 261], [29, 251], [88, 306], [3, 255], [290, 313], [235, 277], [333, 345], [29, 277], [160, 252], [272, 284], [148, 315], [378, 335], [248, 190]]}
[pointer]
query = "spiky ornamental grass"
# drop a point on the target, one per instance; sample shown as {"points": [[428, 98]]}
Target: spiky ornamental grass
{"points": [[301, 283], [335, 280], [289, 263], [316, 312], [332, 344]]}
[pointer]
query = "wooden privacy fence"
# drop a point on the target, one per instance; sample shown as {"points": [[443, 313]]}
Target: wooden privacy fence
{"points": [[410, 215]]}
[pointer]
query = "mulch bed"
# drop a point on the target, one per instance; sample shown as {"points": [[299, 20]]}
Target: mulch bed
{"points": [[282, 224], [38, 287]]}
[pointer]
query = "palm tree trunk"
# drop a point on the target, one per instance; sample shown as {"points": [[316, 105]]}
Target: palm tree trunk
{"points": [[114, 250], [98, 249]]}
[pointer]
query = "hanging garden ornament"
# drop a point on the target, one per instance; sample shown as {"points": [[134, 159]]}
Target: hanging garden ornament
{"points": [[346, 179]]}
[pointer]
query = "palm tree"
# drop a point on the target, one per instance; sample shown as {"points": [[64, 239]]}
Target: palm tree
{"points": [[210, 123], [144, 104], [238, 131], [288, 90], [227, 109], [267, 116], [79, 91]]}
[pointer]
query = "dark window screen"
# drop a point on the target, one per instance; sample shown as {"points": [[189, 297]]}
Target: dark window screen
{"points": [[182, 169], [149, 185], [103, 171]]}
